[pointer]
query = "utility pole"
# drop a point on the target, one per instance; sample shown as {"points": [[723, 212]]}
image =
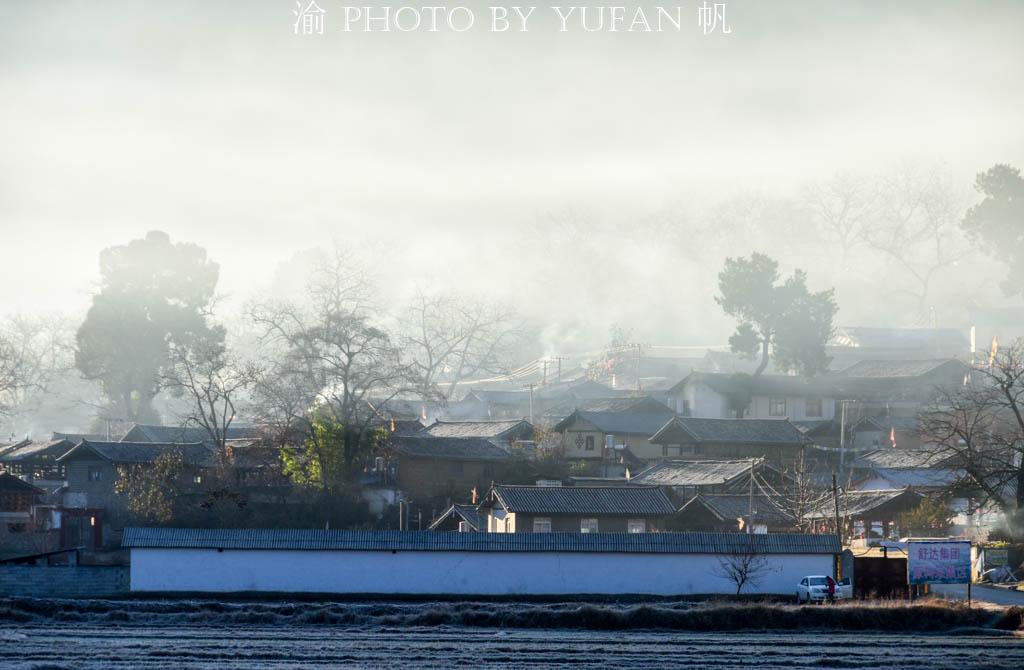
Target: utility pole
{"points": [[530, 386], [835, 500], [558, 359], [544, 378], [842, 435], [750, 498]]}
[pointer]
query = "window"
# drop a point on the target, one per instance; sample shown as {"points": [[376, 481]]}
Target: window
{"points": [[813, 407], [542, 525], [588, 525], [636, 526], [95, 473], [197, 479], [589, 443], [776, 407]]}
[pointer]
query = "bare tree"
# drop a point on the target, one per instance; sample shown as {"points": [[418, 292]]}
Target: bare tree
{"points": [[345, 366], [213, 380], [798, 495], [743, 567], [979, 430], [917, 227], [452, 339], [31, 352], [842, 208]]}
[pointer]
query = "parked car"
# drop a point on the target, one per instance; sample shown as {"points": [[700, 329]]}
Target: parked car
{"points": [[814, 588]]}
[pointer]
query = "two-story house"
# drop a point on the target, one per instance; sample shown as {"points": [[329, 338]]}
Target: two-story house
{"points": [[718, 395], [585, 434], [778, 440]]}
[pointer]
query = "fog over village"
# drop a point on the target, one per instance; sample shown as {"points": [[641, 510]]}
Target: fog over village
{"points": [[265, 276]]}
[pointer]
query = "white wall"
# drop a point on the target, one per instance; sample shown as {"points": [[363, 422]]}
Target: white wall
{"points": [[464, 573]]}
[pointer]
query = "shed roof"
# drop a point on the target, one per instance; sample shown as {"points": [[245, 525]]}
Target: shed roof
{"points": [[901, 458], [449, 448], [598, 500], [10, 483], [696, 473], [769, 432], [341, 540]]}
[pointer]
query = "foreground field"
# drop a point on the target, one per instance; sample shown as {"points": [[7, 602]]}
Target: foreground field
{"points": [[54, 634], [92, 646]]}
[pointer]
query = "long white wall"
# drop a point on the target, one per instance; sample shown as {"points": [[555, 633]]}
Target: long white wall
{"points": [[463, 573]]}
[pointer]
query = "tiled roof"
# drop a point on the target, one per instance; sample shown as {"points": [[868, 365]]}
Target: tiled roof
{"points": [[856, 503], [785, 385], [901, 458], [887, 423], [695, 473], [182, 434], [195, 453], [10, 483], [774, 432], [920, 478], [729, 506], [484, 429], [449, 448], [602, 500], [51, 449], [341, 540], [618, 423], [899, 368]]}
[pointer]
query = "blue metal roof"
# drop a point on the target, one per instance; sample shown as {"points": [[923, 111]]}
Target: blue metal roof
{"points": [[342, 540]]}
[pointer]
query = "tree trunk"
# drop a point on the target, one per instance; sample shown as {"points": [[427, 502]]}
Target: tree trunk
{"points": [[764, 357]]}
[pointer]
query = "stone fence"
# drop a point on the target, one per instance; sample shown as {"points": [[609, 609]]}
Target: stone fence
{"points": [[78, 581]]}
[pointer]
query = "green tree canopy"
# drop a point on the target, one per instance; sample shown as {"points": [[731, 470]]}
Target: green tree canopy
{"points": [[996, 224], [153, 292], [781, 321]]}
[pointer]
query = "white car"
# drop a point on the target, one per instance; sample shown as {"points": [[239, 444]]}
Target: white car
{"points": [[814, 588]]}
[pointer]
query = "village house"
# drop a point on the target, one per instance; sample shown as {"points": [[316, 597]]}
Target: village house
{"points": [[585, 435], [90, 500], [874, 432], [184, 434], [868, 514], [925, 470], [688, 437], [719, 395], [446, 467], [24, 526], [575, 509], [733, 512]]}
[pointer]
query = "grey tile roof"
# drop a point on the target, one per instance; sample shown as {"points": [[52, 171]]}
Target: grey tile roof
{"points": [[618, 423], [340, 540], [729, 506], [449, 448], [919, 478], [484, 429], [883, 369], [887, 423], [856, 503], [10, 483], [901, 458], [769, 432], [695, 473], [783, 385], [196, 453], [597, 500], [182, 434], [49, 450], [899, 338]]}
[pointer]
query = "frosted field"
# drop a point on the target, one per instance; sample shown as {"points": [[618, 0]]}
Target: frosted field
{"points": [[91, 646], [52, 634]]}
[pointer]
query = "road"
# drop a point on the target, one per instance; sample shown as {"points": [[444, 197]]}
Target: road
{"points": [[987, 594]]}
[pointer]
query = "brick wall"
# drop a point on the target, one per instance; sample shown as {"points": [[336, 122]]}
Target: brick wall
{"points": [[81, 581]]}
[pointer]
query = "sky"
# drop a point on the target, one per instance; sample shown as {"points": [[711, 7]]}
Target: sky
{"points": [[441, 157]]}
